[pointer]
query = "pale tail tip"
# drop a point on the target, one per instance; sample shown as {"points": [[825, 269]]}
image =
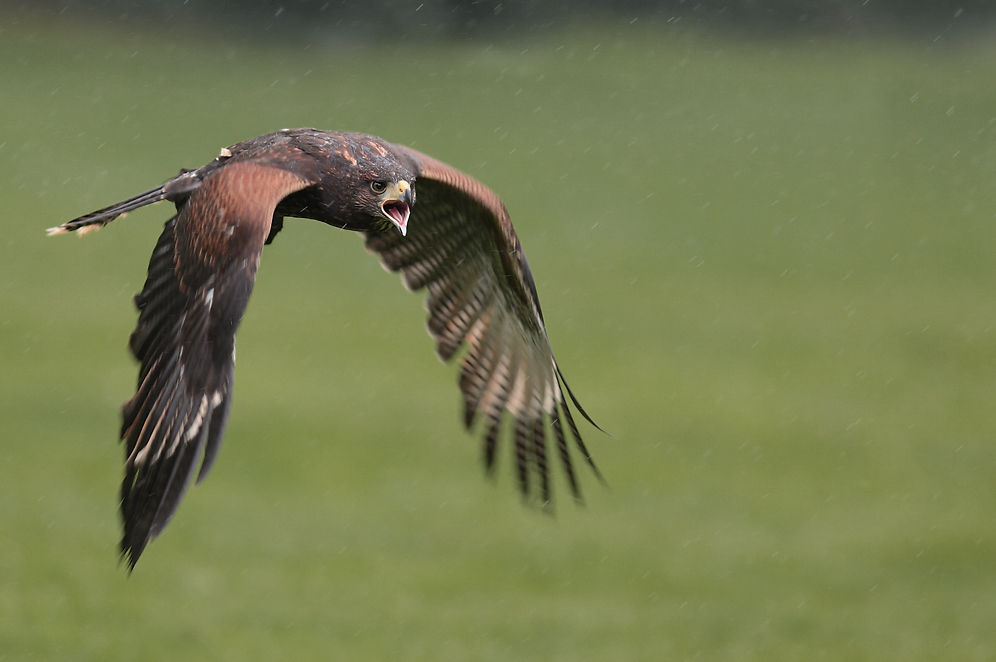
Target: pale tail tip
{"points": [[89, 228], [80, 231]]}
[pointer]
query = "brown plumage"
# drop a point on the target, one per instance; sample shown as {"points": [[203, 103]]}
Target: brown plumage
{"points": [[458, 244]]}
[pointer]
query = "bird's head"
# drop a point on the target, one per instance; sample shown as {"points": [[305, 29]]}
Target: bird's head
{"points": [[394, 200], [376, 183]]}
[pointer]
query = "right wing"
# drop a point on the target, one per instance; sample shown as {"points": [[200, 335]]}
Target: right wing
{"points": [[461, 247]]}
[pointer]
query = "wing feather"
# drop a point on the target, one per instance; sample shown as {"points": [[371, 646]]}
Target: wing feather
{"points": [[563, 451], [200, 277], [539, 453], [523, 434], [462, 249], [478, 371]]}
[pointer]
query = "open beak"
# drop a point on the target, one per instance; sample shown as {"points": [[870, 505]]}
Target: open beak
{"points": [[396, 204]]}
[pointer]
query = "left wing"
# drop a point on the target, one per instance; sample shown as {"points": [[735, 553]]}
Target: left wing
{"points": [[200, 277], [461, 247]]}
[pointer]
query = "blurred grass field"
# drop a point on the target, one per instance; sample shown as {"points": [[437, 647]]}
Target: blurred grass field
{"points": [[766, 267]]}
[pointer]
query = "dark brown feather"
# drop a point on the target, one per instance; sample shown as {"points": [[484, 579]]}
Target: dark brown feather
{"points": [[460, 247]]}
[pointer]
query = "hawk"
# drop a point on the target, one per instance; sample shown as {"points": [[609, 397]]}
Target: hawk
{"points": [[457, 242]]}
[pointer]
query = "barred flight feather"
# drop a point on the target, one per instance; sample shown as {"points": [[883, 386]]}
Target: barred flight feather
{"points": [[539, 452], [491, 445], [565, 455], [478, 368], [492, 400], [522, 453], [449, 325]]}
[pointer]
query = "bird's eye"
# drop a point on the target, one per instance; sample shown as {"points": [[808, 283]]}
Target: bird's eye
{"points": [[378, 187]]}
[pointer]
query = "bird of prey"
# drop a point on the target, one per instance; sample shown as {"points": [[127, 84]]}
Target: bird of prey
{"points": [[457, 242]]}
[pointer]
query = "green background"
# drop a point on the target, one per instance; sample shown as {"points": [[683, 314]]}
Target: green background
{"points": [[766, 268]]}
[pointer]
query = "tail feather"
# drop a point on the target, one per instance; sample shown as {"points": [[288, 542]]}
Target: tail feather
{"points": [[102, 217]]}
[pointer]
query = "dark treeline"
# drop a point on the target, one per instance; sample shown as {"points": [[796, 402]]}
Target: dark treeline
{"points": [[459, 19]]}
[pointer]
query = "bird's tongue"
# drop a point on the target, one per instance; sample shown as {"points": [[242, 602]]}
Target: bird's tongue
{"points": [[398, 211]]}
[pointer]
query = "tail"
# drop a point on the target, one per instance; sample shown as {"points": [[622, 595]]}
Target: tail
{"points": [[101, 217]]}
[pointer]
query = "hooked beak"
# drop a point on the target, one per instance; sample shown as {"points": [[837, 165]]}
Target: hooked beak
{"points": [[396, 204]]}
